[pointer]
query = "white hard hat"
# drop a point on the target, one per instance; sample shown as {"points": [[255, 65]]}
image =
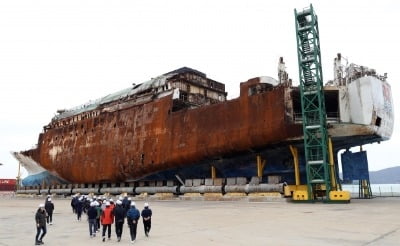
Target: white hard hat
{"points": [[133, 204], [146, 204], [107, 203], [111, 200], [49, 199], [119, 202], [41, 205]]}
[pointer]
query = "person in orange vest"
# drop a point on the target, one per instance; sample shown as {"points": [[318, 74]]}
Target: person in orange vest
{"points": [[107, 219]]}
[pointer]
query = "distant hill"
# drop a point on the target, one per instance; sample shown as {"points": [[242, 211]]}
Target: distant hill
{"points": [[389, 175], [385, 176]]}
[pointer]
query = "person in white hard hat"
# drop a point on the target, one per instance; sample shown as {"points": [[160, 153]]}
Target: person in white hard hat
{"points": [[146, 215], [40, 219], [133, 217], [47, 198], [49, 206], [126, 203], [92, 215], [119, 215], [79, 208]]}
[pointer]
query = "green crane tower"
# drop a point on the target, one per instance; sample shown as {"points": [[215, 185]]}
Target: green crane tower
{"points": [[313, 104]]}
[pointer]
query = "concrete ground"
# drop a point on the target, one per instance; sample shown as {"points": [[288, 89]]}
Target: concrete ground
{"points": [[361, 222]]}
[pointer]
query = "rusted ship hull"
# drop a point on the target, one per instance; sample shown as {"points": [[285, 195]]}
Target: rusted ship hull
{"points": [[138, 141], [150, 139]]}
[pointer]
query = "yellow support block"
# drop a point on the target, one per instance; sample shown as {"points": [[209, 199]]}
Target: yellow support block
{"points": [[260, 166], [213, 172], [296, 163], [236, 194], [265, 194], [339, 196], [288, 190], [300, 195], [194, 194]]}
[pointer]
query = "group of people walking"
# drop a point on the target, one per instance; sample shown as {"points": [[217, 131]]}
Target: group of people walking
{"points": [[118, 213], [106, 212], [100, 212]]}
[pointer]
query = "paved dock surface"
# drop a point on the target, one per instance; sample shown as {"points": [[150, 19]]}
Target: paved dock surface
{"points": [[361, 222]]}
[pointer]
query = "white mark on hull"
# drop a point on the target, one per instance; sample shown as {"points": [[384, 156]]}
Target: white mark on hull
{"points": [[54, 151]]}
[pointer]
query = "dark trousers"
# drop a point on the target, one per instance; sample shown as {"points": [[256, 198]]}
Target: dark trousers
{"points": [[98, 223], [49, 217], [109, 230], [79, 214], [133, 229], [92, 226], [147, 226], [119, 225], [41, 231]]}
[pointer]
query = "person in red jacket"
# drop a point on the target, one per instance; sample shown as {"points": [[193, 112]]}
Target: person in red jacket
{"points": [[107, 219]]}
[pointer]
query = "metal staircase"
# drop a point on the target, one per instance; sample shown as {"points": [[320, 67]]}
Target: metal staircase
{"points": [[313, 105]]}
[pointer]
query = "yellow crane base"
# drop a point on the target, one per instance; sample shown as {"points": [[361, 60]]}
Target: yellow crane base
{"points": [[339, 195], [300, 195]]}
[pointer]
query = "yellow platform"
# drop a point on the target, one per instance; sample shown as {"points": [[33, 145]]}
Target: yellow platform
{"points": [[339, 196], [300, 195]]}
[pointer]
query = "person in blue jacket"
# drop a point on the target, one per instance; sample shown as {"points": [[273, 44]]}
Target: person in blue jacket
{"points": [[133, 217]]}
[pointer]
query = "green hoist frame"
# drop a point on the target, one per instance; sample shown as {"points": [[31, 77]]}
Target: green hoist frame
{"points": [[313, 104]]}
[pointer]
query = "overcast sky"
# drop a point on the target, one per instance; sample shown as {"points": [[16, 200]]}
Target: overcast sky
{"points": [[60, 54]]}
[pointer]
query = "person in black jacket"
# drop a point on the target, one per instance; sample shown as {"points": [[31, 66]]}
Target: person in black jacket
{"points": [[49, 206], [79, 208], [119, 215], [92, 215], [74, 201], [40, 219], [146, 215]]}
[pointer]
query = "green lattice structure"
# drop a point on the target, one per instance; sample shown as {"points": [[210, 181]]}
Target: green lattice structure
{"points": [[313, 104]]}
